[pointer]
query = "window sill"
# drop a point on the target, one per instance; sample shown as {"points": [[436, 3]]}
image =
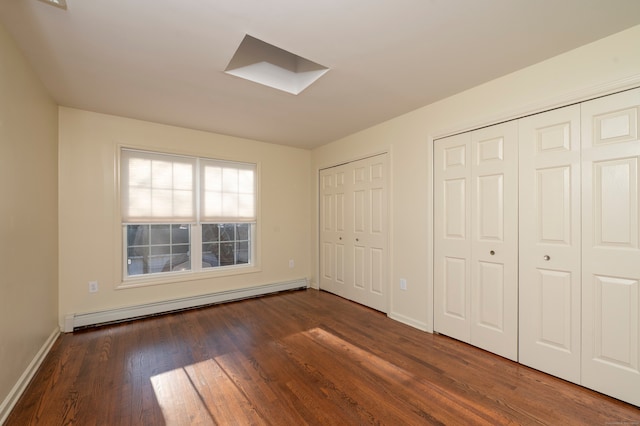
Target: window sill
{"points": [[179, 277]]}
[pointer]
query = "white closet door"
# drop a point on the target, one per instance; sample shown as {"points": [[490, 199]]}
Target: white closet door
{"points": [[549, 265], [452, 237], [494, 239], [353, 231], [611, 251], [367, 239], [475, 241], [332, 230]]}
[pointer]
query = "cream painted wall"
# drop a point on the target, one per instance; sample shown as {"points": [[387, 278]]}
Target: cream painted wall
{"points": [[89, 223], [28, 216], [609, 64]]}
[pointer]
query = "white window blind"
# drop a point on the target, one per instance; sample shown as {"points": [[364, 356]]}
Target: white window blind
{"points": [[157, 188], [163, 188], [227, 191]]}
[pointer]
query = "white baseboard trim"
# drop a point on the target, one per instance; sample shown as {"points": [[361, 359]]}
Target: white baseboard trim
{"points": [[410, 322], [121, 314], [24, 380]]}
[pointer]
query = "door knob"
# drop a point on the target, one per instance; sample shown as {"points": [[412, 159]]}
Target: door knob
{"points": [[492, 252], [546, 257], [357, 239], [340, 238]]}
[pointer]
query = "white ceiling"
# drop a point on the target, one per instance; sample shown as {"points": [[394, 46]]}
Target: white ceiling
{"points": [[164, 60]]}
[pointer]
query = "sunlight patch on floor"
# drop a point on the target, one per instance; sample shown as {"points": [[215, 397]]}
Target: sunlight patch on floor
{"points": [[233, 389], [201, 394]]}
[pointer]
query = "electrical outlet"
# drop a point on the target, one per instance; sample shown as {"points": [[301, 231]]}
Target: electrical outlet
{"points": [[291, 263], [403, 284], [93, 286]]}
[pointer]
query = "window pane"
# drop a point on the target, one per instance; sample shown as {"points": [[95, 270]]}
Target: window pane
{"points": [[138, 252], [158, 250], [180, 248], [242, 231], [180, 262], [229, 180], [160, 263], [140, 202], [227, 255], [242, 252], [139, 172], [227, 232], [210, 232], [137, 235], [182, 176], [179, 234], [159, 234], [161, 174], [210, 255], [137, 260], [213, 178], [246, 206], [245, 181]]}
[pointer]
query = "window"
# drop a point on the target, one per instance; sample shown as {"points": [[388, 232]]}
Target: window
{"points": [[185, 214]]}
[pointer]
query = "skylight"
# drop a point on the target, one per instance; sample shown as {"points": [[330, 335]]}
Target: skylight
{"points": [[263, 63], [62, 4]]}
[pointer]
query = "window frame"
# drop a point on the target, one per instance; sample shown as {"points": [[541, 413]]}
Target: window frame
{"points": [[196, 272]]}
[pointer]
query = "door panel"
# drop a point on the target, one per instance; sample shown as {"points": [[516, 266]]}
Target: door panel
{"points": [[494, 242], [611, 257], [377, 271], [615, 203], [452, 244], [332, 208], [339, 262], [549, 249], [455, 208], [554, 205], [455, 289], [554, 289], [616, 322], [369, 236], [491, 296], [490, 208]]}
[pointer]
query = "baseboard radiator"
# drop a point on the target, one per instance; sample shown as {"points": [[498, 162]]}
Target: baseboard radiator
{"points": [[75, 321]]}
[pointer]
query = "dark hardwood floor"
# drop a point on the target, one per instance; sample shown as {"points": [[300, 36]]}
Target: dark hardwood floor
{"points": [[302, 357]]}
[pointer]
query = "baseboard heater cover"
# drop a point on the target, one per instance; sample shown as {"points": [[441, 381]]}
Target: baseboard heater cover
{"points": [[75, 321]]}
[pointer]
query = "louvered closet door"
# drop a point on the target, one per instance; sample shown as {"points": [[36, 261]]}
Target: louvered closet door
{"points": [[475, 238], [549, 265], [353, 231], [611, 250]]}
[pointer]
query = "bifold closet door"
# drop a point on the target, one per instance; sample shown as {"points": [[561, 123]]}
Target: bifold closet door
{"points": [[332, 230], [549, 265], [452, 237], [611, 246], [353, 231], [475, 241]]}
